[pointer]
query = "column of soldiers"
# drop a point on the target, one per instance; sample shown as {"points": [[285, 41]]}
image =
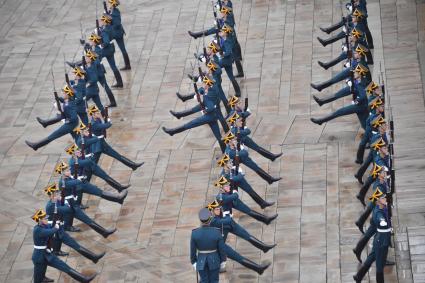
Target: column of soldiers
{"points": [[368, 103], [87, 125], [208, 248]]}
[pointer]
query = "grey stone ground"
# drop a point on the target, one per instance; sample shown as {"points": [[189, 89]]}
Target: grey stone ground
{"points": [[316, 197]]}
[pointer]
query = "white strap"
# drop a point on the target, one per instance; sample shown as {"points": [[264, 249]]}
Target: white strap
{"points": [[40, 247], [384, 230]]}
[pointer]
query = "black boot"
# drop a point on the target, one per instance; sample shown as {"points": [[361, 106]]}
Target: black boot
{"points": [[261, 217], [362, 194], [72, 229], [259, 200], [113, 197], [332, 39], [174, 131], [237, 88], [111, 97], [195, 35], [266, 176], [361, 273], [239, 68], [181, 114], [80, 277], [253, 266], [334, 27], [114, 184], [318, 100], [362, 219], [37, 145], [380, 277], [129, 163], [267, 154], [323, 65], [126, 62], [316, 121], [118, 79], [90, 255], [61, 253], [260, 245], [102, 231], [361, 244], [47, 280], [320, 87], [49, 122], [185, 97]]}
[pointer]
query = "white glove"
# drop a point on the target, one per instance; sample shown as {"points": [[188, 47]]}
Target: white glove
{"points": [[235, 191], [194, 266], [81, 178], [223, 265], [347, 65], [100, 137], [57, 226], [350, 8], [344, 48], [109, 120], [63, 121], [215, 22], [203, 59], [349, 83], [344, 29]]}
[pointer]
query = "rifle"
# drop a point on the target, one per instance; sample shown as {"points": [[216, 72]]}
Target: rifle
{"points": [[58, 103], [106, 8], [106, 112], [83, 147], [198, 96], [64, 68], [205, 55], [76, 168], [90, 130], [245, 109]]}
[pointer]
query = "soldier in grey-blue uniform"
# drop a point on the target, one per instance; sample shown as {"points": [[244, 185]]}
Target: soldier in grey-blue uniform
{"points": [[118, 31], [42, 255], [61, 236], [207, 249], [69, 116], [381, 242]]}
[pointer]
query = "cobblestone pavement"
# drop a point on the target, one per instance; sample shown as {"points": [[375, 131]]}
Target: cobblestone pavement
{"points": [[316, 197]]}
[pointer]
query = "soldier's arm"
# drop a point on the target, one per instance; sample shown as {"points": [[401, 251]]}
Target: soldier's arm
{"points": [[220, 248], [46, 232], [193, 257]]}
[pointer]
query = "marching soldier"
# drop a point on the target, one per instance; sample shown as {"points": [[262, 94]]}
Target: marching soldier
{"points": [[98, 127], [92, 89], [209, 116], [118, 31], [207, 249], [42, 255], [382, 239], [62, 236], [232, 151], [69, 118], [227, 224]]}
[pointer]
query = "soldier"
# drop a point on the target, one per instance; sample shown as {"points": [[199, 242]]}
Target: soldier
{"points": [[70, 209], [209, 116], [88, 167], [380, 162], [377, 105], [213, 96], [106, 49], [69, 117], [227, 224], [79, 89], [232, 151], [118, 31], [382, 239], [207, 249], [232, 254], [98, 126], [227, 56], [42, 255], [373, 122], [242, 133], [356, 65], [358, 106], [355, 23], [238, 180], [62, 236], [92, 89], [229, 200]]}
